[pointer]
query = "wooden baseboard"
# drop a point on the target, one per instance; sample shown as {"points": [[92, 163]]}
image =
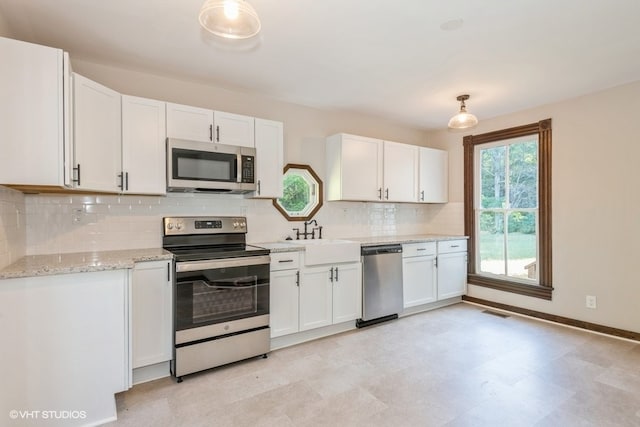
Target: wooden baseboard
{"points": [[558, 319]]}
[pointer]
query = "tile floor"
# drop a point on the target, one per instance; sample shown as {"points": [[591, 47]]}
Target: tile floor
{"points": [[454, 366]]}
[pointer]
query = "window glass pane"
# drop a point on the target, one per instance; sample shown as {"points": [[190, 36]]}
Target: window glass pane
{"points": [[523, 174], [491, 243], [492, 177], [296, 193], [522, 245]]}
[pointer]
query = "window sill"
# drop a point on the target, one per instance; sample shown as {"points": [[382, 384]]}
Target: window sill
{"points": [[536, 291]]}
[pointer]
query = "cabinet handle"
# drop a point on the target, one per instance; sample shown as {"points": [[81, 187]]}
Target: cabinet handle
{"points": [[168, 272], [126, 181], [422, 196], [337, 274], [258, 187], [121, 185], [421, 249], [298, 278], [435, 262], [285, 260], [210, 132], [386, 194], [331, 278], [455, 246], [77, 180], [217, 133], [380, 193]]}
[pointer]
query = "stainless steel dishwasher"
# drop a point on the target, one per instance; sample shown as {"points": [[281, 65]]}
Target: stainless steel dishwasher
{"points": [[381, 284]]}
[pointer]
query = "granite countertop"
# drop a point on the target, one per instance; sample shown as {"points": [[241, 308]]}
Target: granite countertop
{"points": [[81, 262], [275, 247], [414, 238], [364, 241]]}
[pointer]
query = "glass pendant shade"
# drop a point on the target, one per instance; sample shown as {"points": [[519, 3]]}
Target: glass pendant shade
{"points": [[463, 120], [232, 19]]}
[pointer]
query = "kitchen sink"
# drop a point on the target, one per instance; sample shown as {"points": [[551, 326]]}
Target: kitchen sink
{"points": [[329, 251]]}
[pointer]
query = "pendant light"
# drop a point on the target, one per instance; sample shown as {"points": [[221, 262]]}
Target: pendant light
{"points": [[231, 19], [463, 120]]}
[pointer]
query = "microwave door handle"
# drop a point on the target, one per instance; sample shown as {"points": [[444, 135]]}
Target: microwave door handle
{"points": [[239, 168]]}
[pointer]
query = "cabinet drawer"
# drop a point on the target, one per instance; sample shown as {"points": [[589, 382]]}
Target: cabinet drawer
{"points": [[418, 249], [285, 261], [449, 246]]}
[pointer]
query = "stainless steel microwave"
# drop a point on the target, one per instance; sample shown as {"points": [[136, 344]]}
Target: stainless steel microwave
{"points": [[194, 166]]}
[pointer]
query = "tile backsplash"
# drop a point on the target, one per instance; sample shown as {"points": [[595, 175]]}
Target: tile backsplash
{"points": [[70, 223], [12, 226]]}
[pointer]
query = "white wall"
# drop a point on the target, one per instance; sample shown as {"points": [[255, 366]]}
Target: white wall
{"points": [[4, 27], [12, 226], [596, 204]]}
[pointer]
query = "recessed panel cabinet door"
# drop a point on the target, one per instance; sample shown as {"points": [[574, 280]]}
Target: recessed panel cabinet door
{"points": [[97, 135], [433, 176], [233, 129], [419, 280], [452, 274], [269, 158], [347, 292], [143, 145], [151, 317], [400, 172], [283, 304], [315, 298], [190, 123]]}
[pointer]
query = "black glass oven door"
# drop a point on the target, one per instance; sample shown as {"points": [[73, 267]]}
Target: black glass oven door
{"points": [[205, 297]]}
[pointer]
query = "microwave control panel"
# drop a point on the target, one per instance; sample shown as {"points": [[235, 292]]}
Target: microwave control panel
{"points": [[248, 167]]}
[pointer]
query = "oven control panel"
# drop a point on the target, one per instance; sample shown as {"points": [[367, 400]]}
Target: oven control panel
{"points": [[204, 225]]}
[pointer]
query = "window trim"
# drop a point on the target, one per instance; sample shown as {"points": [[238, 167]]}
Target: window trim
{"points": [[543, 130]]}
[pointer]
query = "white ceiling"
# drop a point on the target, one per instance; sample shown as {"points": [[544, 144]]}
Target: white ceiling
{"points": [[385, 58]]}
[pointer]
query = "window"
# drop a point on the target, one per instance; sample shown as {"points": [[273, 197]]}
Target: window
{"points": [[508, 209], [302, 193]]}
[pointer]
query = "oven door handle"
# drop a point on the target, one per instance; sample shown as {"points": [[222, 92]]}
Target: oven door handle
{"points": [[240, 282], [185, 266]]}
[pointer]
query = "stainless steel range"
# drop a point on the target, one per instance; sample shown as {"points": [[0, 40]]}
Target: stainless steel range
{"points": [[221, 293]]}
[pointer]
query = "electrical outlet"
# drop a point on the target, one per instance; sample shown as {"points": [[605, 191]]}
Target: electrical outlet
{"points": [[591, 301], [76, 216]]}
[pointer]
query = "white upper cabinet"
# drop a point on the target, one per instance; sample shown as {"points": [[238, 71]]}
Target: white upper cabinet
{"points": [[400, 175], [433, 176], [269, 158], [354, 168], [143, 145], [191, 123], [234, 129], [369, 169], [34, 115], [97, 136], [201, 124]]}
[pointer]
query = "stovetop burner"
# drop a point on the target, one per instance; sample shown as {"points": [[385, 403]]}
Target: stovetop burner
{"points": [[204, 238]]}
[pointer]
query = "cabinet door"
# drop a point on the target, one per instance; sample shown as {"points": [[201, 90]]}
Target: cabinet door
{"points": [[315, 298], [269, 158], [32, 116], [400, 172], [452, 274], [97, 135], [143, 145], [190, 123], [151, 308], [419, 280], [354, 168], [433, 176], [283, 304], [347, 292], [234, 129]]}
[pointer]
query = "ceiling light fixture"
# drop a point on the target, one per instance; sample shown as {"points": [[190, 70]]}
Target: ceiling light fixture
{"points": [[231, 19], [463, 120]]}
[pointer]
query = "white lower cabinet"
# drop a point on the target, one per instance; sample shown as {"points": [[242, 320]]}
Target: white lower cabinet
{"points": [[433, 271], [312, 297], [452, 268], [283, 295], [65, 344], [419, 273], [151, 308]]}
